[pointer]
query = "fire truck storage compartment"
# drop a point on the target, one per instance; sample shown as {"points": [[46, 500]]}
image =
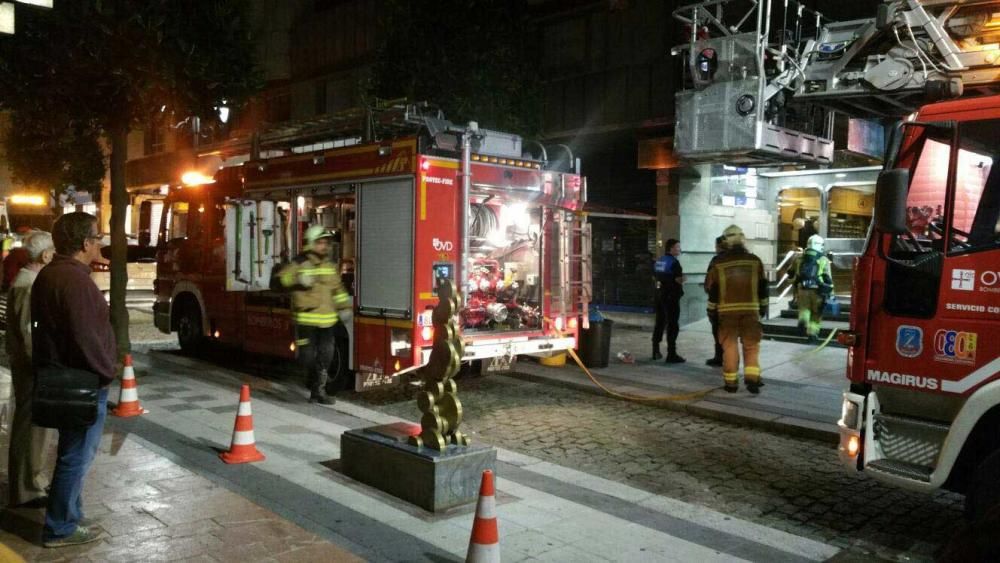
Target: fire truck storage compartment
{"points": [[257, 238], [385, 249], [503, 282]]}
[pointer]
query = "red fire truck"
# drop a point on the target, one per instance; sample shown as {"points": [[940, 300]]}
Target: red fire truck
{"points": [[442, 202], [923, 409]]}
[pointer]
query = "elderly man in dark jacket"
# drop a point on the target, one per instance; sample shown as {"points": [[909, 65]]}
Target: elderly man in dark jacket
{"points": [[72, 328]]}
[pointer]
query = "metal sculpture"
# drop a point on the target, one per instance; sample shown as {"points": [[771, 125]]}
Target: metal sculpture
{"points": [[442, 411]]}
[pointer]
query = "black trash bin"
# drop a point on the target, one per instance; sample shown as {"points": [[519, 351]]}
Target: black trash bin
{"points": [[595, 344]]}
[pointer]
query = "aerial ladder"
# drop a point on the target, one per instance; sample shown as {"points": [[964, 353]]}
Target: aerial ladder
{"points": [[753, 68]]}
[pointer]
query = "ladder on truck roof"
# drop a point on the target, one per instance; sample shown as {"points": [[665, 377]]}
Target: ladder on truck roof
{"points": [[743, 76], [391, 118]]}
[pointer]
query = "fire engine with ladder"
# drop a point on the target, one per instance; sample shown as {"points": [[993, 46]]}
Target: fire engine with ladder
{"points": [[923, 406], [428, 201]]}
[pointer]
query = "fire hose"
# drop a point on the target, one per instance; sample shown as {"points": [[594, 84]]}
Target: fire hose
{"points": [[822, 345], [629, 397]]}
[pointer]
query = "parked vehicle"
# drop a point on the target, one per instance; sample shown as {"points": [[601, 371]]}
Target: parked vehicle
{"points": [[438, 203]]}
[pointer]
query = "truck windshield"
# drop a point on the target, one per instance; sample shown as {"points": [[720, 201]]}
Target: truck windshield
{"points": [[936, 225], [975, 208], [975, 222]]}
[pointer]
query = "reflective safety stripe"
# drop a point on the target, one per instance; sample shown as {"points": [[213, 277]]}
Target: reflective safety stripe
{"points": [[730, 377], [750, 370], [342, 298], [712, 306], [244, 410], [128, 395], [480, 552], [734, 307], [302, 342], [288, 277], [486, 510], [320, 271], [243, 438], [315, 316]]}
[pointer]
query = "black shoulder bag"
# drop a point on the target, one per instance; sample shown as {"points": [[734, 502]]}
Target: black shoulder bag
{"points": [[64, 397]]}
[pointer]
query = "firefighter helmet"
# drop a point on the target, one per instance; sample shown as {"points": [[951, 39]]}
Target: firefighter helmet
{"points": [[733, 235], [316, 232], [816, 243]]}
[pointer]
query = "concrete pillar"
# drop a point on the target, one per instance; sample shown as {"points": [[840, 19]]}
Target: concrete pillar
{"points": [[700, 217]]}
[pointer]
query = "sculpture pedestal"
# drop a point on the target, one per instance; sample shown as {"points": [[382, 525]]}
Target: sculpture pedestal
{"points": [[380, 456]]}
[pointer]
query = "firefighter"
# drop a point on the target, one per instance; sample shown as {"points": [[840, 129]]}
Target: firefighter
{"points": [[713, 317], [814, 284], [319, 302], [737, 292]]}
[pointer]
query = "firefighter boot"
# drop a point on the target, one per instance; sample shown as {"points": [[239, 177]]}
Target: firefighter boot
{"points": [[318, 389], [656, 351], [320, 396], [751, 377]]}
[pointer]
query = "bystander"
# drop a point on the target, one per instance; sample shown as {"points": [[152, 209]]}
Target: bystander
{"points": [[26, 476], [72, 329]]}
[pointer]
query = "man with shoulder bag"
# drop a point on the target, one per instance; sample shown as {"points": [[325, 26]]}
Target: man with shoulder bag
{"points": [[74, 360]]}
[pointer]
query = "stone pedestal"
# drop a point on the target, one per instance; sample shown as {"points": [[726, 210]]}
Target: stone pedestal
{"points": [[380, 456]]}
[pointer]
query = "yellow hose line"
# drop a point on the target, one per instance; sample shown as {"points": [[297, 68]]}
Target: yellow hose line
{"points": [[638, 398], [820, 347], [627, 397]]}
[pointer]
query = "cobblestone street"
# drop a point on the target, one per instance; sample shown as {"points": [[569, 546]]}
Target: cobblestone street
{"points": [[786, 483]]}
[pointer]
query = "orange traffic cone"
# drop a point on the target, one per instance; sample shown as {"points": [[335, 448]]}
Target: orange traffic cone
{"points": [[128, 398], [484, 545], [243, 448]]}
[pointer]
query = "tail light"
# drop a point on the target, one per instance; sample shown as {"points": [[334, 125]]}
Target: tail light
{"points": [[572, 324], [558, 323], [848, 338], [427, 333]]}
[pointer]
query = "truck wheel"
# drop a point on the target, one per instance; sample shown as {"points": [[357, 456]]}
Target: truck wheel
{"points": [[189, 329], [339, 377], [983, 496]]}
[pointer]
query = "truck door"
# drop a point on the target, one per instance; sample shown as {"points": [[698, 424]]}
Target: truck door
{"points": [[384, 279], [940, 296]]}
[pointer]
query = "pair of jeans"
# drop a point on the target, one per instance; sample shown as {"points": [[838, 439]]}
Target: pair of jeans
{"points": [[77, 448]]}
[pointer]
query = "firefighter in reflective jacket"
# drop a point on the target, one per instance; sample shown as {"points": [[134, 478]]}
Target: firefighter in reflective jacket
{"points": [[737, 292], [319, 302], [814, 282]]}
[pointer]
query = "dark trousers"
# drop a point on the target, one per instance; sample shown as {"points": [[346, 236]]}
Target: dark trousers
{"points": [[668, 314], [316, 350], [713, 319]]}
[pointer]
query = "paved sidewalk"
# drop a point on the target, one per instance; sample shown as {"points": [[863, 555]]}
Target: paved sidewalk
{"points": [[547, 511], [152, 509], [801, 395]]}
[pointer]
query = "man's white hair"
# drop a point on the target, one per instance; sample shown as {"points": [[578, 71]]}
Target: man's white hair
{"points": [[36, 243]]}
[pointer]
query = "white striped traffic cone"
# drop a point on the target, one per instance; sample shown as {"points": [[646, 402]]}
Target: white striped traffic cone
{"points": [[128, 398], [243, 448], [484, 545]]}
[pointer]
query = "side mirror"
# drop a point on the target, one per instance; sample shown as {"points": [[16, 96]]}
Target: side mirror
{"points": [[890, 201]]}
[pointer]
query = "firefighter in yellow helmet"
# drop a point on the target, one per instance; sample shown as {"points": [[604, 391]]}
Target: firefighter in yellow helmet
{"points": [[319, 302], [814, 283], [737, 292]]}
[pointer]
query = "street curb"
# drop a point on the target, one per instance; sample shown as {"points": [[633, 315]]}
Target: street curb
{"points": [[780, 424]]}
